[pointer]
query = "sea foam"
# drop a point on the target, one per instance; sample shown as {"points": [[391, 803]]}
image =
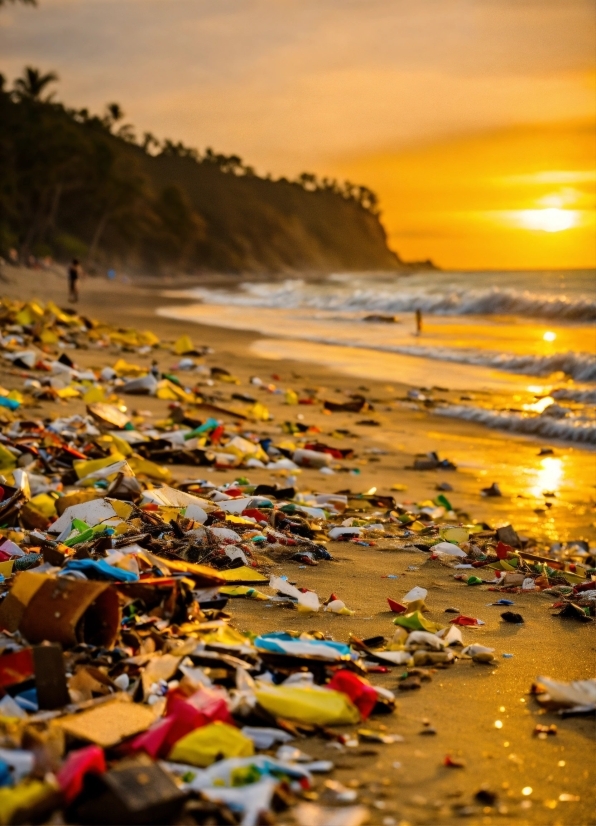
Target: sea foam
{"points": [[403, 298], [547, 426]]}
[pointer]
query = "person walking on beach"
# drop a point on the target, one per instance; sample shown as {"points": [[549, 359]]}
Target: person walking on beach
{"points": [[74, 273], [418, 322]]}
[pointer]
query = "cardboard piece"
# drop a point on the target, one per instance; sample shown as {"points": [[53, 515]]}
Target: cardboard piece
{"points": [[111, 722], [62, 610], [108, 415]]}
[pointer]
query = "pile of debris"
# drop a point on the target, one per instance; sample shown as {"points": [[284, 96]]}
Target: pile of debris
{"points": [[128, 696]]}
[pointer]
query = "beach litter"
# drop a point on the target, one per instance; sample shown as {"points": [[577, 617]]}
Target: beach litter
{"points": [[128, 694]]}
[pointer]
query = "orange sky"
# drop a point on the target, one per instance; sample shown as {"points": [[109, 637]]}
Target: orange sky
{"points": [[514, 197], [473, 120]]}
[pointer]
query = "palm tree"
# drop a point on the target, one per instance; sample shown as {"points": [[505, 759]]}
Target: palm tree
{"points": [[113, 114], [149, 141], [33, 83]]}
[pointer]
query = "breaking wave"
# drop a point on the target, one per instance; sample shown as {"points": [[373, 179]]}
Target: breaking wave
{"points": [[579, 366], [402, 298], [567, 429], [572, 394]]}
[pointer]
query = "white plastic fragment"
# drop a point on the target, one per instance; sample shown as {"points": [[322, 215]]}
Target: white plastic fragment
{"points": [[415, 593], [448, 549]]}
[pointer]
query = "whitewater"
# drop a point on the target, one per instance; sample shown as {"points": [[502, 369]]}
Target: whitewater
{"points": [[531, 331], [433, 294]]}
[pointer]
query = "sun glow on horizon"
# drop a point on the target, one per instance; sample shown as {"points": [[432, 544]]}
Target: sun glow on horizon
{"points": [[521, 197], [551, 219]]}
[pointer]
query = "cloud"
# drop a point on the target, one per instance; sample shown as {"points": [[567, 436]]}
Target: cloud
{"points": [[290, 83]]}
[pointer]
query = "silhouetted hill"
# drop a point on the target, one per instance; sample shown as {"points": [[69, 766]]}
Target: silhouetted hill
{"points": [[257, 224], [72, 184]]}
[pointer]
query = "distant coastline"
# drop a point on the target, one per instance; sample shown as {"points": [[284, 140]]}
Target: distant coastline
{"points": [[75, 184]]}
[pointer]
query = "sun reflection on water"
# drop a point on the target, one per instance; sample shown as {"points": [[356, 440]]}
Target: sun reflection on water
{"points": [[549, 476], [539, 406]]}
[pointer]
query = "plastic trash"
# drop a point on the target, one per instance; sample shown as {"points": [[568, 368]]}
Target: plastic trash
{"points": [[307, 602], [448, 549], [205, 745], [578, 696], [312, 704], [359, 691]]}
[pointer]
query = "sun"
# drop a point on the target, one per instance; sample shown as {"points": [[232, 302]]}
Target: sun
{"points": [[548, 220]]}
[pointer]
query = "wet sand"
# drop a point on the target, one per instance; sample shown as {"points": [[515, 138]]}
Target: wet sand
{"points": [[406, 783]]}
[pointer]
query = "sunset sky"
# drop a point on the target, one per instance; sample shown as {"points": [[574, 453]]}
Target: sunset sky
{"points": [[472, 119]]}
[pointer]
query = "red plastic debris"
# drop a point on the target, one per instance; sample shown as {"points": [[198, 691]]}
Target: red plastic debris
{"points": [[503, 550], [359, 691], [453, 763], [217, 434], [76, 766], [254, 513], [396, 607], [463, 620]]}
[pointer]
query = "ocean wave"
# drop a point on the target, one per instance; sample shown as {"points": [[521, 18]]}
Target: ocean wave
{"points": [[579, 366], [574, 394], [296, 294], [567, 429]]}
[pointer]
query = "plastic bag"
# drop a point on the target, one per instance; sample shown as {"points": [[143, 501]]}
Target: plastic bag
{"points": [[308, 704], [205, 745]]}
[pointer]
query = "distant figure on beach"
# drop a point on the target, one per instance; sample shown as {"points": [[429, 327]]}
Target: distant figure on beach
{"points": [[74, 272], [418, 322]]}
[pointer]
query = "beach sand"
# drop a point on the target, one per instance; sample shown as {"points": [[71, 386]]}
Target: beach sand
{"points": [[406, 781]]}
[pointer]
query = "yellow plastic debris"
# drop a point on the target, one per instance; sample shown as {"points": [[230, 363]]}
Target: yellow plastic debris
{"points": [[124, 368], [314, 705], [243, 591], [84, 467], [291, 397], [25, 795], [63, 318], [259, 412], [169, 391], [94, 394], [415, 621], [148, 339], [457, 535], [113, 442], [224, 635], [68, 393], [205, 745], [48, 336], [6, 568], [242, 574], [183, 345], [7, 460], [238, 520], [45, 504], [150, 469]]}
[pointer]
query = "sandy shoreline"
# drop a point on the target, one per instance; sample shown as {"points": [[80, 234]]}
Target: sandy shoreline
{"points": [[483, 455], [462, 704]]}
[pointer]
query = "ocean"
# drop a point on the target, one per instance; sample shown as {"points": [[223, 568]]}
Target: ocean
{"points": [[511, 350]]}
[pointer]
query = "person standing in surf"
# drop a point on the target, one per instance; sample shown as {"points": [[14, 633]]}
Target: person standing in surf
{"points": [[74, 273], [418, 322]]}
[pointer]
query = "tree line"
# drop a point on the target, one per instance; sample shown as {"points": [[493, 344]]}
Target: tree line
{"points": [[74, 183]]}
